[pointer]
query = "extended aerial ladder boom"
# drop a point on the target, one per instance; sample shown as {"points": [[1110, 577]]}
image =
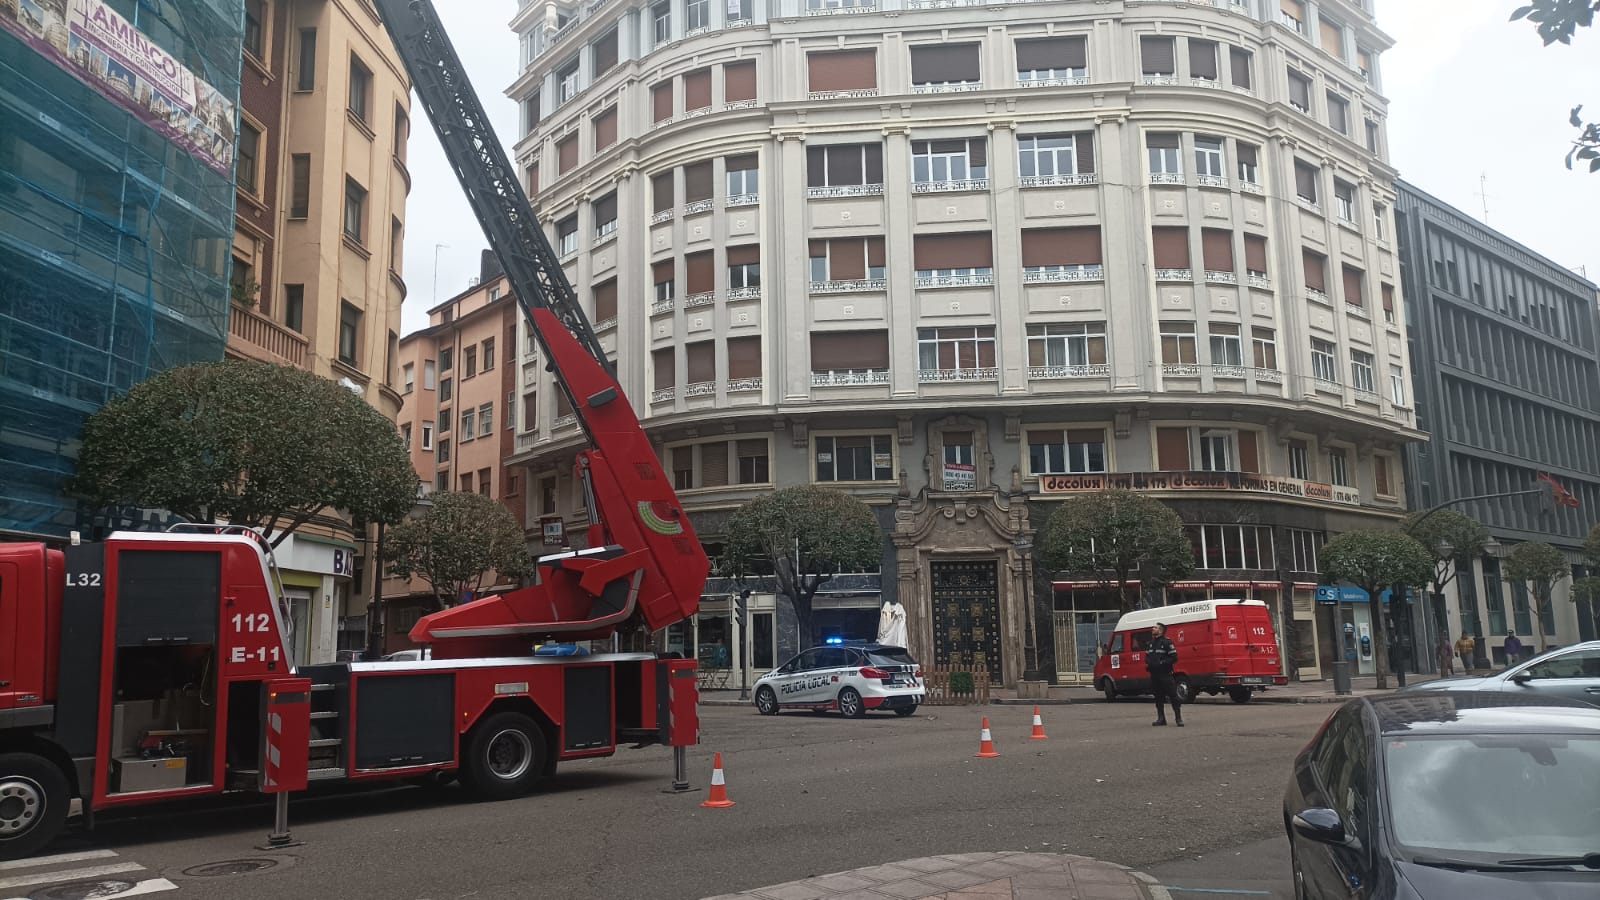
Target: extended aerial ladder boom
{"points": [[644, 558]]}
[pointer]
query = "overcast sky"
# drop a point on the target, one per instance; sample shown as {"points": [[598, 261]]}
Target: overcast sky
{"points": [[1472, 95]]}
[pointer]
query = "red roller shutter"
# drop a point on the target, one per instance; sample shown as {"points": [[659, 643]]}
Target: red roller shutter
{"points": [[697, 90], [605, 300], [1172, 449], [1171, 247], [1216, 248], [605, 129], [699, 272], [953, 251], [1316, 271], [838, 350], [661, 100], [1255, 254], [738, 82], [744, 357], [842, 70]]}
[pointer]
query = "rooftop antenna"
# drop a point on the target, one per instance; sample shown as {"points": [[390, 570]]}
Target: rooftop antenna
{"points": [[1483, 194], [436, 248]]}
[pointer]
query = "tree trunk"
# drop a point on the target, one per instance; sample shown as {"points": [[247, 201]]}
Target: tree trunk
{"points": [[1543, 611], [804, 621], [1380, 635]]}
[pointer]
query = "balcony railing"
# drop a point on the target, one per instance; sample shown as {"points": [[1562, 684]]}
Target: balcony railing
{"points": [[1063, 274], [1319, 296], [699, 206], [1063, 81], [1166, 178], [1251, 187], [1220, 181], [1267, 376], [744, 385], [700, 389], [943, 4], [743, 293], [606, 324], [844, 190], [1098, 371], [1162, 79], [526, 439], [938, 187], [1227, 371], [663, 395], [842, 95], [1260, 281], [947, 87], [1174, 274], [940, 375], [854, 286], [704, 298], [742, 200], [846, 377], [661, 307], [565, 421], [1179, 369], [1196, 81], [842, 10], [1058, 180], [739, 104], [1218, 277], [938, 281], [664, 216], [275, 342], [1310, 205]]}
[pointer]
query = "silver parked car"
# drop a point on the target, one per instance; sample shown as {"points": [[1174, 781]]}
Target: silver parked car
{"points": [[1571, 672]]}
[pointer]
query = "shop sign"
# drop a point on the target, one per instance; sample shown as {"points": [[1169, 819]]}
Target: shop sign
{"points": [[554, 529], [1328, 595], [960, 477], [1229, 482]]}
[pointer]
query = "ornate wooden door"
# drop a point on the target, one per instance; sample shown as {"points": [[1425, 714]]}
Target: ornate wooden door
{"points": [[966, 614]]}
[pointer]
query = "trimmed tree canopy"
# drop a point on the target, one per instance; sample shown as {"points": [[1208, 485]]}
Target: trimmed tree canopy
{"points": [[455, 543], [1374, 561], [1112, 535], [252, 443], [803, 534]]}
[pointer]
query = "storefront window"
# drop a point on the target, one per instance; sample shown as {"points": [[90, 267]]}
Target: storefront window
{"points": [[715, 643], [1085, 620], [1494, 596], [761, 640]]}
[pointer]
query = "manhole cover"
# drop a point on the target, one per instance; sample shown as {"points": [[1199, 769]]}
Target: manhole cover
{"points": [[83, 890], [230, 867]]}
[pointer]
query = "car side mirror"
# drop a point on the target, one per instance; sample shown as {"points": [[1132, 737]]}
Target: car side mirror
{"points": [[1523, 677], [1319, 824]]}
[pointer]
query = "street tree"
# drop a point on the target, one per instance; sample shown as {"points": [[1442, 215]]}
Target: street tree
{"points": [[803, 536], [1588, 587], [1113, 535], [1376, 560], [1541, 566], [248, 443], [1449, 536], [1557, 21], [455, 543]]}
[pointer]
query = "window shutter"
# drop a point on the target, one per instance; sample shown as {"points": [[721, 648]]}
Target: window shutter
{"points": [[567, 154], [664, 271], [875, 251], [605, 300], [1041, 247], [533, 180], [701, 361], [1388, 298], [1171, 247], [1305, 181], [662, 191], [744, 357], [1352, 286], [847, 259], [1203, 59], [738, 82], [1163, 141], [874, 164], [1158, 56], [1172, 449], [697, 182], [1380, 473], [1296, 8], [661, 100], [816, 167], [698, 271], [1240, 61], [831, 350], [1255, 253], [714, 464], [742, 162], [952, 251], [697, 90], [1300, 90], [1216, 249], [564, 405], [842, 70], [1052, 53], [605, 53], [605, 129], [1077, 246], [1249, 454], [1083, 144], [605, 209], [683, 461], [978, 152], [1332, 38], [744, 255], [935, 63], [1316, 271], [1045, 437], [662, 362], [1085, 436]]}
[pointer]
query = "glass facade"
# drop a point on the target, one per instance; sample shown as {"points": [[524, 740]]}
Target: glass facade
{"points": [[117, 123]]}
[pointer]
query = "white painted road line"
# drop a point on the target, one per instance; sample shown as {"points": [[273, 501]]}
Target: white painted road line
{"points": [[152, 886], [37, 861], [67, 875]]}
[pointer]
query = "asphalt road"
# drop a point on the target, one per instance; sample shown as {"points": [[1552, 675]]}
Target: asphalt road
{"points": [[815, 794]]}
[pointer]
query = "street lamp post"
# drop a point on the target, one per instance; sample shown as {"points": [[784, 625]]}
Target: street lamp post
{"points": [[744, 637], [1480, 641], [1030, 652]]}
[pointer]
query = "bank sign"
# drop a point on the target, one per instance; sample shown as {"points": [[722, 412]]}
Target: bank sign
{"points": [[1226, 482]]}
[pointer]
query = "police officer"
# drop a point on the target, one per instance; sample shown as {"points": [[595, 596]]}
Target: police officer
{"points": [[1159, 660]]}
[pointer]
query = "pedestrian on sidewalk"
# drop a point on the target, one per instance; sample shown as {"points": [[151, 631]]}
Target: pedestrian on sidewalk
{"points": [[1447, 657], [1464, 646], [1513, 648], [1159, 659]]}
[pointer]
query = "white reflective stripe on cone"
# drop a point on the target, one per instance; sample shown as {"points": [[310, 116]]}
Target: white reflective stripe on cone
{"points": [[716, 777]]}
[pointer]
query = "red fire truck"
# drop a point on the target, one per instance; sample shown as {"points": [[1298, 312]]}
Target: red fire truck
{"points": [[153, 666]]}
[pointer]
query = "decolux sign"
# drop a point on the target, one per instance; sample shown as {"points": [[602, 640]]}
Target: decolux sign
{"points": [[1228, 482]]}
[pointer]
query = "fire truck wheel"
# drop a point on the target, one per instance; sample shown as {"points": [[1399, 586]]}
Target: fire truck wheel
{"points": [[1239, 694], [33, 804], [505, 756], [1186, 691]]}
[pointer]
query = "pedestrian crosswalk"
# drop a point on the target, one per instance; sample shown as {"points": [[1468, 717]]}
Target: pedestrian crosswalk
{"points": [[85, 873]]}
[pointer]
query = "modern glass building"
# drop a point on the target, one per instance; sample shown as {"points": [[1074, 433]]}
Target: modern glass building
{"points": [[117, 127]]}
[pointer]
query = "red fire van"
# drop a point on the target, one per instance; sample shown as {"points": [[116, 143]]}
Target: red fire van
{"points": [[1223, 645]]}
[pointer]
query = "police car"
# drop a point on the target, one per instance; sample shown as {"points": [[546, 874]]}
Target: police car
{"points": [[851, 678]]}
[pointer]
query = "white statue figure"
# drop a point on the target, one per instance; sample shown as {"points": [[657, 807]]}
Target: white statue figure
{"points": [[892, 624]]}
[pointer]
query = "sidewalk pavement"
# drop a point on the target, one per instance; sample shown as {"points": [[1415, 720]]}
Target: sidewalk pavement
{"points": [[973, 876]]}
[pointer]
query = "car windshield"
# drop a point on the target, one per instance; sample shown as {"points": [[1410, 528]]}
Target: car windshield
{"points": [[890, 656], [1502, 794]]}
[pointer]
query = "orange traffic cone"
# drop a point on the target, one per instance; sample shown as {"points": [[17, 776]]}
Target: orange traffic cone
{"points": [[1038, 728], [986, 743], [719, 789]]}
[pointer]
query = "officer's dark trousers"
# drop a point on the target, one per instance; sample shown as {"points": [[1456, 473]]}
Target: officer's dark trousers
{"points": [[1166, 689]]}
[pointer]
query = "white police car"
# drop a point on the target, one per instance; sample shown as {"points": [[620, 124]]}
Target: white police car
{"points": [[851, 678]]}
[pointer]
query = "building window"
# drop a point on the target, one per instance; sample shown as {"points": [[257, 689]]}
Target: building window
{"points": [[1299, 466], [1053, 451], [247, 158], [567, 83], [661, 21], [488, 354], [844, 166], [360, 89], [1208, 156], [1178, 344], [567, 236], [1203, 61], [1165, 154], [744, 178], [299, 185], [744, 267], [1264, 348], [405, 435], [1216, 450], [1300, 92], [355, 210], [1397, 386], [1380, 216], [427, 435], [469, 362], [967, 350], [1338, 113], [446, 392], [408, 378], [1361, 377], [1304, 545], [862, 457], [349, 333], [444, 450], [1248, 165], [254, 32], [1344, 201], [402, 132], [753, 462], [944, 67], [306, 75], [1382, 484], [1226, 347], [1306, 177], [846, 259], [1050, 155], [604, 212], [430, 375], [485, 481], [1158, 57], [441, 485], [1239, 62], [1234, 547], [938, 162], [1337, 473], [953, 259], [469, 425], [1372, 137], [1047, 59], [294, 307], [485, 420], [1324, 362], [466, 482], [665, 281], [697, 15], [1067, 345]]}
